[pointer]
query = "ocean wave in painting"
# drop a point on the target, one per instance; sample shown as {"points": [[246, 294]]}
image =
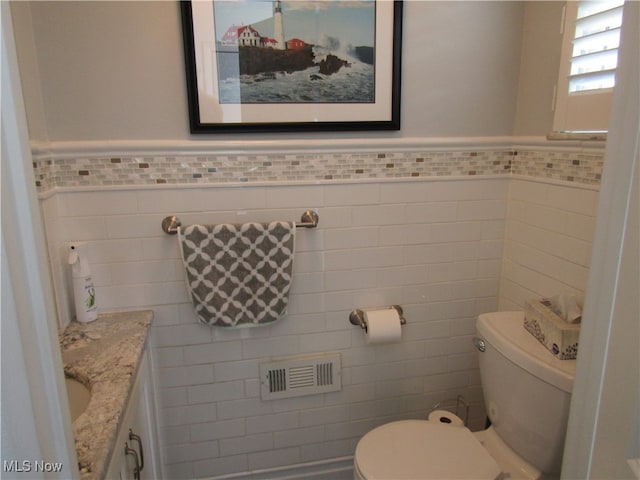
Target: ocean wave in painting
{"points": [[354, 84]]}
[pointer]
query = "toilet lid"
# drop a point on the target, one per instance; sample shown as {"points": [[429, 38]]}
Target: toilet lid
{"points": [[418, 449]]}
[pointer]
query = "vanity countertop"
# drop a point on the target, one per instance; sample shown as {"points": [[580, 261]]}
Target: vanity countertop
{"points": [[103, 355]]}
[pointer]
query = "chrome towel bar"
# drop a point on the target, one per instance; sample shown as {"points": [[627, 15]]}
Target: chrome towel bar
{"points": [[309, 219]]}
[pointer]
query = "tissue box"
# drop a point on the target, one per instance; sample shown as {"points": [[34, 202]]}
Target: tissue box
{"points": [[558, 336]]}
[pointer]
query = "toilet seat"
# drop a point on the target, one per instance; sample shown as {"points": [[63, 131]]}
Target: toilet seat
{"points": [[418, 449]]}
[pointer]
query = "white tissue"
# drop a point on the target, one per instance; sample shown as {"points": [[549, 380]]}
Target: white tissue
{"points": [[383, 326], [566, 307]]}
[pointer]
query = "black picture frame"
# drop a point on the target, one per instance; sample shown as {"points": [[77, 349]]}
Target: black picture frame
{"points": [[208, 114]]}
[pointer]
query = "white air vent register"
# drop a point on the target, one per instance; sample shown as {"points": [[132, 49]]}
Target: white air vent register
{"points": [[294, 377]]}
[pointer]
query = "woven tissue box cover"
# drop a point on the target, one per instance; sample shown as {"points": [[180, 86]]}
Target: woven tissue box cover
{"points": [[558, 336]]}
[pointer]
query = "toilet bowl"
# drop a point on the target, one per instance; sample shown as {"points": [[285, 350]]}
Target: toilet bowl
{"points": [[419, 449], [526, 437], [422, 450]]}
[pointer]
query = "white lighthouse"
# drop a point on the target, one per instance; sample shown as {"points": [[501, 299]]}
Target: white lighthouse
{"points": [[278, 26]]}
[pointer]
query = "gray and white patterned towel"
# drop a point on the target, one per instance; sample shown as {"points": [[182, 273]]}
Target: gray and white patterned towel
{"points": [[238, 274]]}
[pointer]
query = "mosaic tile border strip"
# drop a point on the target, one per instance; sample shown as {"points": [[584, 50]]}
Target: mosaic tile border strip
{"points": [[134, 170], [583, 168]]}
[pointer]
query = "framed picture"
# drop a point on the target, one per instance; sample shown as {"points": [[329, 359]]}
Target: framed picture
{"points": [[299, 65]]}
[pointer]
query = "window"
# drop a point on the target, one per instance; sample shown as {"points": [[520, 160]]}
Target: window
{"points": [[588, 65]]}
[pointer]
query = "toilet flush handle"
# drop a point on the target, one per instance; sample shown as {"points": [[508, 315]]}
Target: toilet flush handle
{"points": [[479, 344]]}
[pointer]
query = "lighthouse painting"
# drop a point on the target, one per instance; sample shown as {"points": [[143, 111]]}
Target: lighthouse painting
{"points": [[300, 52], [261, 58]]}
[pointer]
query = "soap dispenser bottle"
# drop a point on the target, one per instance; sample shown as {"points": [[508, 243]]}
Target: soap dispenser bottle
{"points": [[84, 292]]}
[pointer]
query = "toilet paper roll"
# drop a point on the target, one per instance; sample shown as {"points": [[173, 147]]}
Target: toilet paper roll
{"points": [[383, 326], [445, 416]]}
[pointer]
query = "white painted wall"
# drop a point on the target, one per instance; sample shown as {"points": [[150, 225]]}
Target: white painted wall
{"points": [[114, 70], [509, 51], [539, 64]]}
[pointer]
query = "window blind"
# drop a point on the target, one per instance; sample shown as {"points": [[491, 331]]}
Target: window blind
{"points": [[589, 58], [594, 56]]}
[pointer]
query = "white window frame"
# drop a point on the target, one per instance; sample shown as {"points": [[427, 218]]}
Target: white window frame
{"points": [[578, 111]]}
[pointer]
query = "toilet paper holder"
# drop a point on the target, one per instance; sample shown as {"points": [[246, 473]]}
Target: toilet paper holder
{"points": [[356, 317]]}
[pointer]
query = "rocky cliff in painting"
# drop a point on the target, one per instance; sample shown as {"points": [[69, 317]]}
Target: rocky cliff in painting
{"points": [[255, 60], [259, 60], [331, 65]]}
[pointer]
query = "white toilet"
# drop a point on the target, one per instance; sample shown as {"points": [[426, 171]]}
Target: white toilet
{"points": [[526, 391]]}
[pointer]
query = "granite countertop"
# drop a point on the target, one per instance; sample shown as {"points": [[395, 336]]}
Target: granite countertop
{"points": [[103, 355]]}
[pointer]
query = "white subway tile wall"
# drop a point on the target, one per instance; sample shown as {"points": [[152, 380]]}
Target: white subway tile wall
{"points": [[445, 249], [548, 241]]}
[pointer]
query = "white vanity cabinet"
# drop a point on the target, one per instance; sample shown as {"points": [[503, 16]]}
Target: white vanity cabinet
{"points": [[135, 453]]}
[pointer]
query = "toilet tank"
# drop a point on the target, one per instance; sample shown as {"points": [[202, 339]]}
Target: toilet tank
{"points": [[526, 389]]}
